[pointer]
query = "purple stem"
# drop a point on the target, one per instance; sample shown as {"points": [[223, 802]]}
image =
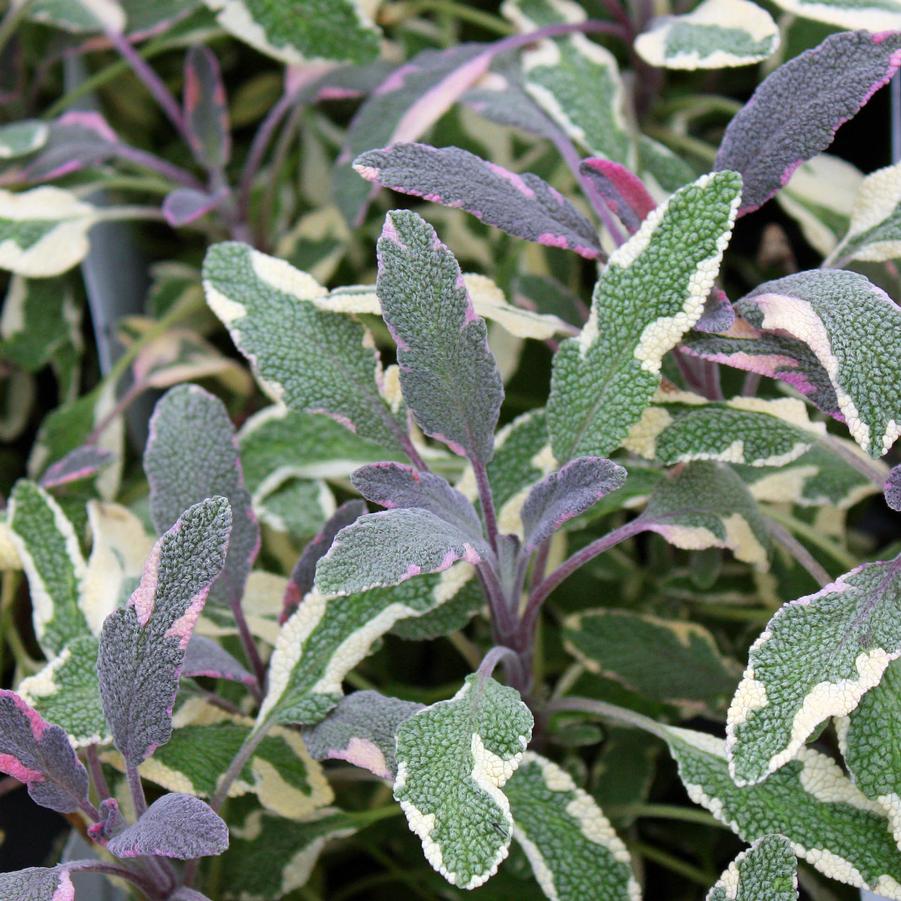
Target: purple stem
{"points": [[145, 160], [250, 648], [96, 771], [751, 384], [136, 789], [487, 500], [107, 869], [493, 658], [501, 615], [800, 553]]}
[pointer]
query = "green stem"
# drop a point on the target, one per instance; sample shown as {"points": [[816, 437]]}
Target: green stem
{"points": [[364, 818], [694, 874], [698, 148], [11, 20], [397, 12], [665, 812], [809, 533], [607, 711]]}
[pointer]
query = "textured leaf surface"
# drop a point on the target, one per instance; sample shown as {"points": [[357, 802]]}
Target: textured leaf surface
{"points": [[447, 373], [205, 657], [893, 488], [571, 846], [82, 463], [310, 360], [524, 206], [453, 759], [874, 230], [328, 636], [142, 646], [652, 291], [874, 15], [206, 108], [789, 119], [768, 869], [852, 329], [43, 232], [192, 455], [51, 557], [816, 658], [38, 884], [361, 730], [298, 31], [829, 823], [39, 754], [622, 190], [716, 35], [179, 826], [567, 493], [665, 660]]}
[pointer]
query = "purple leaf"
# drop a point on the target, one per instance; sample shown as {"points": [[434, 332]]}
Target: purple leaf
{"points": [[393, 485], [304, 573], [361, 730], [110, 821], [718, 315], [413, 97], [794, 114], [37, 884], [176, 825], [567, 493], [189, 894], [623, 191], [205, 657], [524, 205], [206, 109], [142, 646], [81, 463], [448, 375], [192, 454], [39, 754], [77, 140], [893, 488], [185, 205]]}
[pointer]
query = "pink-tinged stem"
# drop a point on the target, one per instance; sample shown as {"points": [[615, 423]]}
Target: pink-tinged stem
{"points": [[710, 376], [96, 771], [487, 501], [239, 761], [493, 658], [863, 466], [250, 649], [800, 553], [608, 712], [107, 869], [88, 808], [616, 10], [118, 409], [751, 384], [153, 163], [503, 624], [136, 789], [412, 453]]}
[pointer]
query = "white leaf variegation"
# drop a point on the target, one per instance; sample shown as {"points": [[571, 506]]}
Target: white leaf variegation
{"points": [[768, 869], [874, 232], [867, 15]]}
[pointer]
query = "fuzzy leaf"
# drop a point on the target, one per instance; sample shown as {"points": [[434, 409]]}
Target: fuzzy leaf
{"points": [[665, 660], [300, 31], [622, 190], [789, 118], [874, 229], [361, 730], [529, 15], [43, 232], [328, 636], [816, 658], [192, 455], [574, 852], [78, 140], [384, 549], [22, 138], [716, 35], [893, 488], [186, 205], [179, 826], [603, 379], [307, 359], [79, 16], [82, 463], [51, 557], [37, 884], [524, 206], [206, 108], [566, 494], [453, 758], [852, 329], [205, 657], [39, 754], [768, 869], [873, 15], [142, 646], [829, 823], [448, 376], [718, 315]]}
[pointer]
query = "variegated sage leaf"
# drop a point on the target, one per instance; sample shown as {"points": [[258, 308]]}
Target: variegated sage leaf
{"points": [[874, 230], [300, 31], [191, 455], [206, 108], [82, 463], [39, 754], [361, 730], [622, 190], [652, 291], [524, 206], [852, 328], [205, 657], [873, 15], [22, 138], [768, 869], [328, 636], [810, 801], [816, 658], [870, 740], [572, 848], [717, 34], [448, 375], [530, 15], [38, 884], [453, 759], [79, 16], [142, 646], [789, 120], [310, 360]]}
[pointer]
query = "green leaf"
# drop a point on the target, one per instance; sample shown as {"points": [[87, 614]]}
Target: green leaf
{"points": [[574, 852], [328, 636], [66, 692], [717, 34], [22, 138], [307, 359], [298, 507], [453, 759], [810, 801], [652, 291], [870, 740], [665, 660], [816, 658], [300, 31], [53, 562], [449, 617], [530, 15], [79, 16], [874, 232], [870, 15], [768, 869]]}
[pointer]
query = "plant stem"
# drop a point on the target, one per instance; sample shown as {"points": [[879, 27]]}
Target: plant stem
{"points": [[239, 761], [799, 552], [96, 866], [136, 789], [487, 500], [607, 711], [95, 768], [250, 648], [808, 533], [493, 658], [698, 148], [365, 818], [126, 213], [398, 12], [144, 160], [11, 20], [666, 812], [466, 649], [862, 465], [501, 615], [694, 874]]}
